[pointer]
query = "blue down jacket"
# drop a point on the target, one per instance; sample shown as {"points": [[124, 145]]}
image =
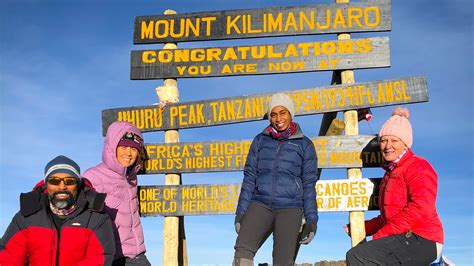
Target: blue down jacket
{"points": [[281, 174]]}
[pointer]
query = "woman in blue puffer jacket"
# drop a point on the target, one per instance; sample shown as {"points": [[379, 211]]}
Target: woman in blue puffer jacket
{"points": [[278, 188]]}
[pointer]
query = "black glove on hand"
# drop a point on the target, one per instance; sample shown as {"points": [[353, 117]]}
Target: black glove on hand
{"points": [[309, 231], [238, 220]]}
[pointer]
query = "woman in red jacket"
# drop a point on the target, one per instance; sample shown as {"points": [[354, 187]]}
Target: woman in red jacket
{"points": [[408, 230]]}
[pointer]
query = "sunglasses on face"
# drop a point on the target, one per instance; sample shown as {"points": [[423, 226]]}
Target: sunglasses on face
{"points": [[68, 181]]}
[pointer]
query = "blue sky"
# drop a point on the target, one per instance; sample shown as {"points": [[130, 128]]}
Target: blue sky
{"points": [[62, 63]]}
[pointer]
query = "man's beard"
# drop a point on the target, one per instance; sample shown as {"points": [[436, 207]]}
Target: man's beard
{"points": [[62, 203]]}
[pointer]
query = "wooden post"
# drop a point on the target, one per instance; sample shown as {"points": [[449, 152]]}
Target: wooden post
{"points": [[335, 128], [330, 126], [356, 218], [174, 240]]}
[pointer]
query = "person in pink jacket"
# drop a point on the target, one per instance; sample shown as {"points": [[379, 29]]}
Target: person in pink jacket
{"points": [[117, 177]]}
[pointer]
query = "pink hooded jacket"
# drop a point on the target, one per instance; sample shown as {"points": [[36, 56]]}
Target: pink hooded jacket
{"points": [[111, 178]]}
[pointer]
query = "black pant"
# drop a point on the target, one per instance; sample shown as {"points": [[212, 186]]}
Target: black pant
{"points": [[258, 222], [401, 249], [140, 260]]}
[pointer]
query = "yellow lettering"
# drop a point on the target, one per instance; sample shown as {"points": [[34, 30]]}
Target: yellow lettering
{"points": [[195, 28], [353, 16], [261, 52], [147, 30], [291, 51], [251, 68], [208, 21], [198, 55], [166, 27], [329, 47], [173, 114], [181, 69], [364, 45], [323, 64], [275, 23], [339, 20], [173, 28], [376, 13], [165, 56], [226, 69], [230, 54], [328, 21], [148, 57], [249, 23], [232, 24], [291, 22], [304, 19], [345, 47]]}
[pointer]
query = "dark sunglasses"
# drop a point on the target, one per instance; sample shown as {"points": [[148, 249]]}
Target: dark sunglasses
{"points": [[132, 137], [68, 181]]}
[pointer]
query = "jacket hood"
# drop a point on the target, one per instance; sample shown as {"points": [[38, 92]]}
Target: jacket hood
{"points": [[109, 154]]}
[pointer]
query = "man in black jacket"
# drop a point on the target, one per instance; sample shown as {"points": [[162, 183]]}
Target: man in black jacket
{"points": [[61, 222]]}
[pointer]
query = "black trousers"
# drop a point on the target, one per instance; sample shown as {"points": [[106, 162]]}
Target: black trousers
{"points": [[401, 249], [140, 260], [259, 221]]}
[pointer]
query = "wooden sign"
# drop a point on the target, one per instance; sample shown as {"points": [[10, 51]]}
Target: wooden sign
{"points": [[260, 59], [224, 156], [253, 107], [263, 22], [331, 196], [344, 195], [188, 199]]}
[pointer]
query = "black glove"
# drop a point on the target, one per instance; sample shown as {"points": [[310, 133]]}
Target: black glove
{"points": [[238, 220], [309, 231]]}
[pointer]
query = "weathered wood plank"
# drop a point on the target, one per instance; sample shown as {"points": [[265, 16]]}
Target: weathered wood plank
{"points": [[260, 59], [263, 22], [213, 199], [224, 156], [253, 107]]}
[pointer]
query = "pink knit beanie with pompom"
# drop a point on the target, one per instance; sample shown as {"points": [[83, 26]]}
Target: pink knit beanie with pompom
{"points": [[398, 126]]}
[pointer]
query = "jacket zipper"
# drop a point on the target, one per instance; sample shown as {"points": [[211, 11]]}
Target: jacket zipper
{"points": [[383, 194], [275, 172], [137, 246], [55, 244], [57, 247]]}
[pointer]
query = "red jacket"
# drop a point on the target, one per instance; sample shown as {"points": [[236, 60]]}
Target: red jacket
{"points": [[86, 236], [407, 201]]}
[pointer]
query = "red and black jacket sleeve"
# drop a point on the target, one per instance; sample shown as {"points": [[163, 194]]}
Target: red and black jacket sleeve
{"points": [[14, 243]]}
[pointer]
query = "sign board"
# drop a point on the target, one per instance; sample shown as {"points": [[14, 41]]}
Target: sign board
{"points": [[263, 22], [225, 156], [253, 107], [331, 196], [260, 59], [344, 195], [188, 199]]}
